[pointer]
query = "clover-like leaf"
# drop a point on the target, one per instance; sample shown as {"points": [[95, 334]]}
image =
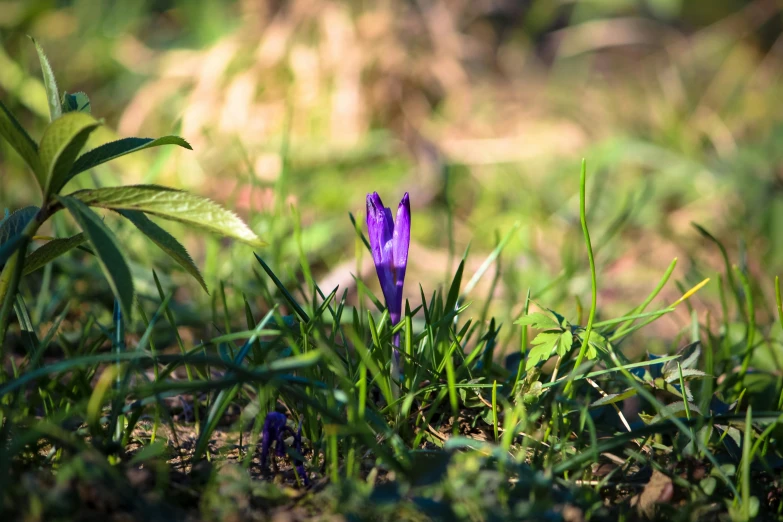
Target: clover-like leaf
{"points": [[564, 343], [561, 320], [107, 251], [543, 346], [61, 143], [175, 205], [166, 242], [597, 342], [118, 148], [539, 321]]}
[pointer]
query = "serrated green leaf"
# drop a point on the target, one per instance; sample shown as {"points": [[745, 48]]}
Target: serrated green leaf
{"points": [[546, 338], [51, 251], [564, 343], [689, 356], [14, 224], [560, 319], [543, 346], [674, 375], [52, 95], [61, 143], [591, 352], [539, 321], [166, 242], [107, 251], [76, 102], [13, 132], [675, 409], [662, 384], [118, 148], [614, 397], [172, 204], [597, 342]]}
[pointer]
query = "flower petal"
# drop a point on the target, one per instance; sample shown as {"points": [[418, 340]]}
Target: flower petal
{"points": [[379, 226], [402, 239], [274, 425], [380, 229]]}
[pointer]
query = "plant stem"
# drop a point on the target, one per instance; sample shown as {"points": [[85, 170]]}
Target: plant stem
{"points": [[750, 333], [12, 275], [9, 282], [593, 285]]}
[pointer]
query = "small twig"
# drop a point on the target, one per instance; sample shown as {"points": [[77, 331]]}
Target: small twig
{"points": [[645, 448], [614, 405], [557, 367], [437, 433]]}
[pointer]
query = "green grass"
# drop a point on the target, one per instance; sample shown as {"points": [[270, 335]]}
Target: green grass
{"points": [[460, 423], [603, 346]]}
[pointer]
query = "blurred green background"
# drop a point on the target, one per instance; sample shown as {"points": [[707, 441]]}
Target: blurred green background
{"points": [[482, 110]]}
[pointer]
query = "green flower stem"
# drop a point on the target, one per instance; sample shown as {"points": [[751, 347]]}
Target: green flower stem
{"points": [[591, 317]]}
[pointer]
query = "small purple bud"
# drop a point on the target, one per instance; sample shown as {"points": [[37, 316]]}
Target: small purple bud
{"points": [[273, 430], [389, 242]]}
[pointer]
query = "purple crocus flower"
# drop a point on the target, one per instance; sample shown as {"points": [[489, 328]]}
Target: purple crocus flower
{"points": [[389, 241], [274, 430]]}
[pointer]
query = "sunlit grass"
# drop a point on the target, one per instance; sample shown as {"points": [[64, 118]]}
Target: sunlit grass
{"points": [[296, 115]]}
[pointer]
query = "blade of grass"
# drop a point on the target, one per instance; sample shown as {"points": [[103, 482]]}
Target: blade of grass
{"points": [[288, 297], [522, 344], [727, 265], [225, 396], [488, 261], [593, 285], [779, 302], [750, 317]]}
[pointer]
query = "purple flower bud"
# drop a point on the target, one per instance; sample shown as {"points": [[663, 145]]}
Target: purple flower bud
{"points": [[273, 430], [389, 241]]}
